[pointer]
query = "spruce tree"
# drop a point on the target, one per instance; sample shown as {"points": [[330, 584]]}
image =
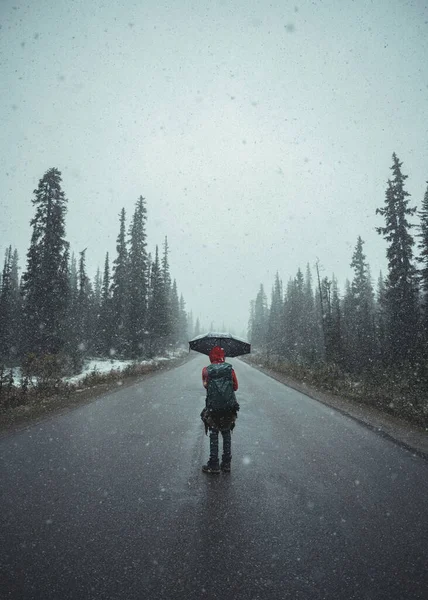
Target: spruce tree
{"points": [[275, 325], [157, 304], [119, 293], [84, 302], [6, 309], [98, 286], [359, 316], [183, 323], [45, 282], [138, 280], [104, 321], [165, 311], [401, 295], [16, 307], [259, 327], [310, 326], [174, 315], [423, 261]]}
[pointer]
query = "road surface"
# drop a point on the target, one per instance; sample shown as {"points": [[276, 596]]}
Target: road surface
{"points": [[108, 501]]}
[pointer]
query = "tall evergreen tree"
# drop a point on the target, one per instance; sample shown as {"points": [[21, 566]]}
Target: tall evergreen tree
{"points": [[104, 321], [98, 286], [310, 326], [85, 320], [16, 306], [174, 315], [157, 318], [6, 309], [184, 336], [259, 326], [275, 326], [138, 280], [45, 282], [119, 292], [165, 312], [401, 295], [381, 321], [336, 325], [423, 261], [359, 313]]}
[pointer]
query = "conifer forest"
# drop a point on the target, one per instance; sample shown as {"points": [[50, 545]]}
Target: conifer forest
{"points": [[366, 337], [369, 338], [57, 314]]}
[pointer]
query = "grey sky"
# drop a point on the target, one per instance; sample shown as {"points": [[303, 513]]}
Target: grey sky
{"points": [[260, 134]]}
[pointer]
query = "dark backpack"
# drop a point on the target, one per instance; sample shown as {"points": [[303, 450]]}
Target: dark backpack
{"points": [[220, 394]]}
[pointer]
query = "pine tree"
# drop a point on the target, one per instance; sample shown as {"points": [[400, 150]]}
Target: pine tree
{"points": [[138, 280], [381, 321], [98, 286], [157, 304], [184, 336], [84, 306], [259, 327], [165, 312], [359, 313], [104, 322], [45, 282], [119, 292], [423, 261], [311, 330], [336, 325], [6, 309], [251, 320], [16, 307], [275, 332], [401, 295], [174, 315]]}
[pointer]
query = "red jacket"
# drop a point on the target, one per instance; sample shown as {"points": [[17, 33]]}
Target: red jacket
{"points": [[217, 356]]}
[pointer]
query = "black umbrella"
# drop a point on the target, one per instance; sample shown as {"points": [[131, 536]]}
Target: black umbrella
{"points": [[232, 346]]}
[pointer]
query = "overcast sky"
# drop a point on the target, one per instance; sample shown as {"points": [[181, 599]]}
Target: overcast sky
{"points": [[260, 133]]}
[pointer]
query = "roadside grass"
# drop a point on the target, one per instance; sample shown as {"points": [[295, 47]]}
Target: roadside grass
{"points": [[23, 397], [399, 393]]}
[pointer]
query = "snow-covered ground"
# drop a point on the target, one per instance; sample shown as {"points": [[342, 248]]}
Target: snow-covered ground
{"points": [[106, 365]]}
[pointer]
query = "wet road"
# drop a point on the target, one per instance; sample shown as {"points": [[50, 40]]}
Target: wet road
{"points": [[108, 501]]}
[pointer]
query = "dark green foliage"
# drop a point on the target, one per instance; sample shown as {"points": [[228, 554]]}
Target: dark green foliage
{"points": [[120, 293], [7, 333], [183, 323], [260, 320], [401, 293], [359, 314], [138, 281], [275, 331], [174, 315], [45, 283], [104, 321], [158, 319], [423, 261]]}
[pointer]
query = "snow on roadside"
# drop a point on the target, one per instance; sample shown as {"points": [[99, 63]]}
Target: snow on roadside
{"points": [[106, 365]]}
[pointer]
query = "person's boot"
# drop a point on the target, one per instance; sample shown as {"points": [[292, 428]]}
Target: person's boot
{"points": [[212, 467], [225, 464]]}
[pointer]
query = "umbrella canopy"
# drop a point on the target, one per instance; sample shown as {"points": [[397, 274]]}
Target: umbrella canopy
{"points": [[232, 346]]}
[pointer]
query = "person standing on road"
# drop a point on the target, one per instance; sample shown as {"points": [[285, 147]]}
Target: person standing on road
{"points": [[221, 407]]}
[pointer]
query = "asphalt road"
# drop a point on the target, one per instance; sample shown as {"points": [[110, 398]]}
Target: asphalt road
{"points": [[109, 502]]}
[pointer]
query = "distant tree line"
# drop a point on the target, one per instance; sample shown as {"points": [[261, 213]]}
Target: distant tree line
{"points": [[370, 328], [130, 310]]}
